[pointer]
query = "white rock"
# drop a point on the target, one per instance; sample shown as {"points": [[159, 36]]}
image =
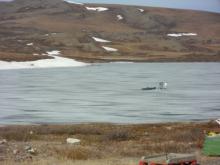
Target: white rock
{"points": [[72, 141], [4, 141], [15, 151], [32, 151]]}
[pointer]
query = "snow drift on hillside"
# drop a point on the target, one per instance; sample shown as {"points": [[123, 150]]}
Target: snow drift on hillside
{"points": [[98, 9], [108, 49], [181, 34], [72, 2], [30, 44], [57, 61], [141, 10], [100, 40]]}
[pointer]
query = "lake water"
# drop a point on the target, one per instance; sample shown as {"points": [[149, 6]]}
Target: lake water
{"points": [[111, 93]]}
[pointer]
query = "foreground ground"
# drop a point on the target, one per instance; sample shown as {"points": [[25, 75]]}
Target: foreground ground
{"points": [[100, 143]]}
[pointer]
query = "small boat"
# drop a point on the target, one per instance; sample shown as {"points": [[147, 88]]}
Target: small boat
{"points": [[162, 85], [149, 88], [168, 159]]}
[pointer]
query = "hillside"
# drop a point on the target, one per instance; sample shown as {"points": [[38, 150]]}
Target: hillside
{"points": [[28, 29]]}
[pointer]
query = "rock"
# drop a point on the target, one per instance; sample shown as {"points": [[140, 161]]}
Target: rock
{"points": [[169, 128], [32, 151], [4, 141], [15, 151], [27, 148], [146, 134], [72, 141]]}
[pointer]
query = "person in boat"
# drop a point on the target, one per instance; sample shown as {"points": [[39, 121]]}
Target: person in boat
{"points": [[163, 85]]}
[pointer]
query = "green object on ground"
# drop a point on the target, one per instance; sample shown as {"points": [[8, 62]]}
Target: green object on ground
{"points": [[211, 146]]}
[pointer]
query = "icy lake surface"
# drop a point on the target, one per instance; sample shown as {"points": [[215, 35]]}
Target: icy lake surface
{"points": [[111, 93]]}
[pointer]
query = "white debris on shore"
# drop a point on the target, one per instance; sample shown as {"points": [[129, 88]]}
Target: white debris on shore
{"points": [[98, 9], [120, 17], [100, 40], [55, 62], [108, 49], [181, 34], [73, 2], [30, 44], [141, 10], [72, 141]]}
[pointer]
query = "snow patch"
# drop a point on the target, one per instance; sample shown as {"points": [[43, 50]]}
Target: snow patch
{"points": [[120, 17], [53, 53], [141, 10], [100, 40], [57, 61], [189, 34], [72, 2], [181, 34], [98, 9], [110, 49], [30, 44]]}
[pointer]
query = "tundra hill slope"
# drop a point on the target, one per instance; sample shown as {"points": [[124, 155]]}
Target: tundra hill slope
{"points": [[138, 36]]}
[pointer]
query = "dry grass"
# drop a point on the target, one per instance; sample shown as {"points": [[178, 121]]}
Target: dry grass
{"points": [[51, 161], [101, 142]]}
